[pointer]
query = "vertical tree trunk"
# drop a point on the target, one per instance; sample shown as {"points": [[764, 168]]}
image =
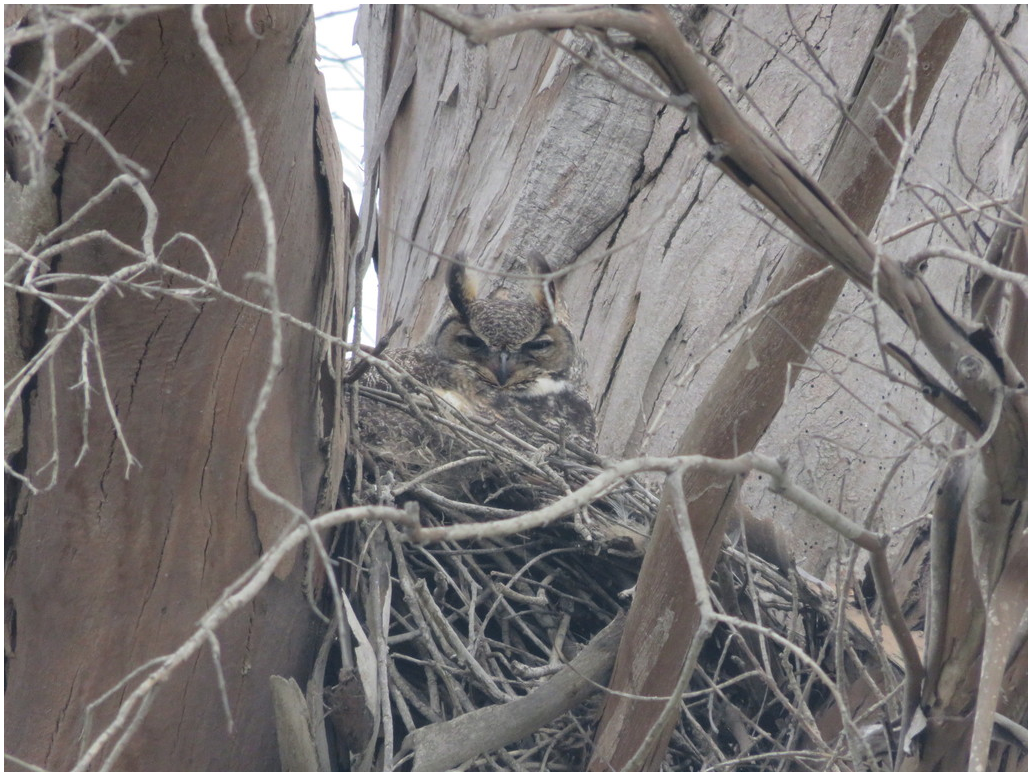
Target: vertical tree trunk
{"points": [[113, 565], [858, 174], [500, 149], [497, 160]]}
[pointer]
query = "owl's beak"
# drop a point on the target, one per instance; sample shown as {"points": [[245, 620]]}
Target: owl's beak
{"points": [[498, 363]]}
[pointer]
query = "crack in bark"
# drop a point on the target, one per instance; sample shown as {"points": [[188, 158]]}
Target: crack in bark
{"points": [[629, 324]]}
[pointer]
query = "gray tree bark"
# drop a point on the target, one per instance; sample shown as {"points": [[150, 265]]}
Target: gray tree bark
{"points": [[507, 148], [111, 565], [499, 150]]}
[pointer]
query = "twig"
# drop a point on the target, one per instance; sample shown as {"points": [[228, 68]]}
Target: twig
{"points": [[994, 40], [135, 705], [447, 744]]}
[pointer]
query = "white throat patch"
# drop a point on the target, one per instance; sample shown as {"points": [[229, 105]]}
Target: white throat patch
{"points": [[543, 386]]}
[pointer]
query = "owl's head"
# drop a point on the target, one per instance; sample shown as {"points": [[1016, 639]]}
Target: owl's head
{"points": [[507, 343]]}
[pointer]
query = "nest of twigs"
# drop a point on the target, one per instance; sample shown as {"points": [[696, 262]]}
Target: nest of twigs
{"points": [[449, 637]]}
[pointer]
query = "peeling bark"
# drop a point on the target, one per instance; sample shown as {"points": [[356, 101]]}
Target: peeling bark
{"points": [[657, 293], [115, 564]]}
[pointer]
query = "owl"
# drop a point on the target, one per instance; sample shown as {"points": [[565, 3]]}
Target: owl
{"points": [[505, 364]]}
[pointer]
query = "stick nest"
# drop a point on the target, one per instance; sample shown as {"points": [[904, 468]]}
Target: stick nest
{"points": [[445, 630]]}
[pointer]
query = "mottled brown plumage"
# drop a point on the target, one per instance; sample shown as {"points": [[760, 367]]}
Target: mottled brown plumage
{"points": [[496, 361]]}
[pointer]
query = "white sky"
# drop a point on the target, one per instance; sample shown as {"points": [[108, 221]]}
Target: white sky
{"points": [[341, 63]]}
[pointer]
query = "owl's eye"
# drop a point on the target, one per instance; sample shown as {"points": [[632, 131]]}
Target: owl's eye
{"points": [[538, 345], [470, 341]]}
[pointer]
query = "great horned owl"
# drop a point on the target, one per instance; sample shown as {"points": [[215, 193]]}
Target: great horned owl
{"points": [[510, 356], [505, 363]]}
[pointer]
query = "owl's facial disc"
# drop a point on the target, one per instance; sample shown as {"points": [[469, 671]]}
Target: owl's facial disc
{"points": [[522, 364]]}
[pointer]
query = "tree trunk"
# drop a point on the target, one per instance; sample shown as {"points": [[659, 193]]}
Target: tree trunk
{"points": [[550, 156], [112, 563], [495, 151], [857, 174]]}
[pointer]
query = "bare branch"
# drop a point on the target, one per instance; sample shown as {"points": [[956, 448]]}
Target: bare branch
{"points": [[1001, 50], [136, 704]]}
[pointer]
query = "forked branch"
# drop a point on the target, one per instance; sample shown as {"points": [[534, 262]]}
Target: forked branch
{"points": [[780, 183], [990, 400]]}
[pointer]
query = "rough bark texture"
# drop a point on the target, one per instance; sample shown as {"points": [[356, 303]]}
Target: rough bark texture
{"points": [[472, 157], [107, 571], [509, 147], [757, 375]]}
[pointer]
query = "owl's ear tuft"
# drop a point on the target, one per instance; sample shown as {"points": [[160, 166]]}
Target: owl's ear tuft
{"points": [[461, 289], [543, 291]]}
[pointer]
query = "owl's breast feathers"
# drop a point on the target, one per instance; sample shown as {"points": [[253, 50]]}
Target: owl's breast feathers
{"points": [[556, 404]]}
